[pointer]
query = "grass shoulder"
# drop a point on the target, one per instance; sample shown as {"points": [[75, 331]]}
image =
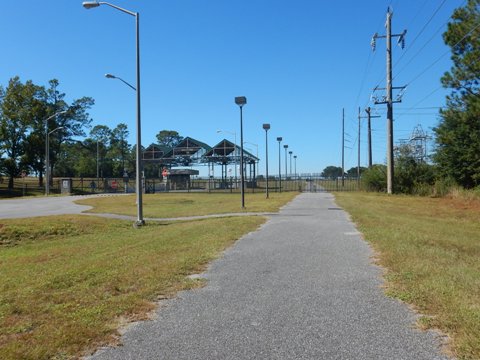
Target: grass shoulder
{"points": [[431, 250], [170, 205], [68, 282]]}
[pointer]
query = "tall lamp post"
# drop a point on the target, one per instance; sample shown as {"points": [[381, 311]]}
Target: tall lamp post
{"points": [[138, 183], [295, 160], [285, 147], [47, 151], [279, 139], [47, 176], [266, 127], [290, 153], [241, 101]]}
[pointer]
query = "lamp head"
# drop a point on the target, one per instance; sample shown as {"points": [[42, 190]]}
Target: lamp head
{"points": [[266, 126], [90, 4], [285, 146], [110, 76], [240, 100], [279, 139], [290, 152]]}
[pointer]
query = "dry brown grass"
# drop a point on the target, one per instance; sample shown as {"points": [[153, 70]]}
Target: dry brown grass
{"points": [[431, 250]]}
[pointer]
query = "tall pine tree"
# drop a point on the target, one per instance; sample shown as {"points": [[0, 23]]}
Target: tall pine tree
{"points": [[458, 134]]}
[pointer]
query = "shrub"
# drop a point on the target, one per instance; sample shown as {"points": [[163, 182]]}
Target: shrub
{"points": [[443, 187], [375, 178]]}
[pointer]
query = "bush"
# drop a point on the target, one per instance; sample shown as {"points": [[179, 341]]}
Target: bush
{"points": [[443, 187], [375, 178]]}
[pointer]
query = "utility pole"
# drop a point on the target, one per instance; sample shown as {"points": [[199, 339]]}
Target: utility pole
{"points": [[358, 160], [388, 98], [343, 147], [369, 117]]}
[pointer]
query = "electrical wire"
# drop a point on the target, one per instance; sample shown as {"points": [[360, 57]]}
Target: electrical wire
{"points": [[420, 33], [442, 56]]}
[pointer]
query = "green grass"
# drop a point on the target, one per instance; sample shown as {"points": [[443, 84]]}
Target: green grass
{"points": [[170, 205], [431, 250], [67, 283]]}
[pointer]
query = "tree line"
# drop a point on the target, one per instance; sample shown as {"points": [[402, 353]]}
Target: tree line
{"points": [[28, 112], [24, 110]]}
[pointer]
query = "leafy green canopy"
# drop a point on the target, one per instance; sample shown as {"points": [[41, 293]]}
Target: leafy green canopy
{"points": [[458, 133], [26, 116]]}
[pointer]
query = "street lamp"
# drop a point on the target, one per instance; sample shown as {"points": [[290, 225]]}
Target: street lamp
{"points": [[138, 183], [47, 177], [266, 127], [295, 159], [234, 151], [279, 139], [290, 153], [110, 76], [240, 101], [285, 147], [47, 150]]}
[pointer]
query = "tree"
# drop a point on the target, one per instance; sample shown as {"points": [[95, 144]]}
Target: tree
{"points": [[73, 122], [101, 135], [77, 159], [458, 133], [119, 149], [375, 178], [332, 172], [412, 174], [169, 138], [19, 107], [353, 172]]}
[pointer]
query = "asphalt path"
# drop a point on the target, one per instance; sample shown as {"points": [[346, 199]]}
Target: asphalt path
{"points": [[61, 205], [301, 287], [41, 206]]}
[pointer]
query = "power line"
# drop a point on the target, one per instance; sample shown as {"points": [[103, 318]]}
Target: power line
{"points": [[368, 65], [443, 55], [424, 98], [421, 31], [421, 49]]}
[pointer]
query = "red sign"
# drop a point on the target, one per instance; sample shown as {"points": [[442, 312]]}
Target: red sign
{"points": [[165, 172], [114, 185]]}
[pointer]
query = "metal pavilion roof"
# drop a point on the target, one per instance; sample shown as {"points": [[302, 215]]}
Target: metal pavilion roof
{"points": [[194, 152]]}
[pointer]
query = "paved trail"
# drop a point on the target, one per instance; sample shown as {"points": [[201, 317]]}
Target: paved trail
{"points": [[301, 287], [40, 206]]}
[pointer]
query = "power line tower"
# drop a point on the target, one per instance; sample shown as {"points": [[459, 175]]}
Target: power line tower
{"points": [[418, 143], [387, 99]]}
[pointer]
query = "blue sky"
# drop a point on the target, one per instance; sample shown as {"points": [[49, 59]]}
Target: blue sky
{"points": [[297, 62]]}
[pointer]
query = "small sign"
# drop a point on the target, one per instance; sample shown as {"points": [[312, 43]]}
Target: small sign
{"points": [[165, 172], [114, 184]]}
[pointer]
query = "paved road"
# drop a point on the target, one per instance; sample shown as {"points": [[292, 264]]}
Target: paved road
{"points": [[40, 206], [301, 287]]}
